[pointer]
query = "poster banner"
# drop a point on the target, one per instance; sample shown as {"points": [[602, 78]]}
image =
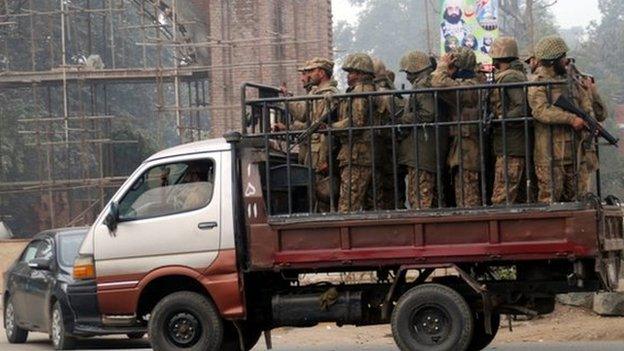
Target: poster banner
{"points": [[469, 23]]}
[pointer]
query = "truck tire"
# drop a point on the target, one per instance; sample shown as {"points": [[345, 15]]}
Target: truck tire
{"points": [[185, 320], [481, 339], [14, 334], [432, 317]]}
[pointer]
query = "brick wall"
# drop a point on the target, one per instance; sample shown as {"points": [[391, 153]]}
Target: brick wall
{"points": [[263, 41]]}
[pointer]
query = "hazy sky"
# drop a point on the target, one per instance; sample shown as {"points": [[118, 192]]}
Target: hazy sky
{"points": [[568, 13]]}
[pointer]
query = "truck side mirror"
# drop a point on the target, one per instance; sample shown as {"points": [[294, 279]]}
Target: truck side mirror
{"points": [[112, 218]]}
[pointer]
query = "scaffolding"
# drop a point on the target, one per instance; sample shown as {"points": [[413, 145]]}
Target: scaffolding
{"points": [[84, 57]]}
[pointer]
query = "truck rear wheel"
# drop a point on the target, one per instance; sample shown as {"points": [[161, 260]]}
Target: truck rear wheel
{"points": [[432, 317], [185, 320], [481, 339]]}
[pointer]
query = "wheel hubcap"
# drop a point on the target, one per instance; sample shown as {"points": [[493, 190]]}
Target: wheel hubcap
{"points": [[9, 319], [431, 325], [184, 329], [56, 327]]}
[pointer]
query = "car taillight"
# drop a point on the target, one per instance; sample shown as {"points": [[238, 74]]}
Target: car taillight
{"points": [[84, 268]]}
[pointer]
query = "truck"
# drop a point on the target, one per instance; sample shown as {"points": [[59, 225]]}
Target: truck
{"points": [[210, 244]]}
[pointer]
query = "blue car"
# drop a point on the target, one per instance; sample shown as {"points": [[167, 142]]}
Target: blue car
{"points": [[35, 291]]}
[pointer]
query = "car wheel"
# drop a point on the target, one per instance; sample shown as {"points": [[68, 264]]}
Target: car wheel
{"points": [[60, 339], [134, 336], [432, 317], [185, 320], [14, 334]]}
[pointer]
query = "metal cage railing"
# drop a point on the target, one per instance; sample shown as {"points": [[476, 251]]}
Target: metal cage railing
{"points": [[290, 186]]}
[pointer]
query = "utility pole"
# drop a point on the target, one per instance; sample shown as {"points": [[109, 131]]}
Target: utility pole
{"points": [[428, 27], [531, 29]]}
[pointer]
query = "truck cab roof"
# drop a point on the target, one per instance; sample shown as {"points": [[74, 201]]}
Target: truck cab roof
{"points": [[217, 144]]}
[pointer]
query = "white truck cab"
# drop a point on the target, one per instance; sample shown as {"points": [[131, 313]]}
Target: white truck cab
{"points": [[171, 223]]}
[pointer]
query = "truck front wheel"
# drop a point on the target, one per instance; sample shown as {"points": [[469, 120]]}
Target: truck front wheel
{"points": [[185, 320], [432, 317]]}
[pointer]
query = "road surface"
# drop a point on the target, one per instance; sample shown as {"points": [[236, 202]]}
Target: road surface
{"points": [[37, 341]]}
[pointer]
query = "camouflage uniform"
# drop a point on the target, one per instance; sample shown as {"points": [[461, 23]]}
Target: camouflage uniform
{"points": [[384, 165], [590, 162], [514, 150], [418, 149], [355, 156], [315, 110], [556, 143], [465, 140]]}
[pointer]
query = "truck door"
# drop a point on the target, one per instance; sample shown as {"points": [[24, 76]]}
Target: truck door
{"points": [[169, 216]]}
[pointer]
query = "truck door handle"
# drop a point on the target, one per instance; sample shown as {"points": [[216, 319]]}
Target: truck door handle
{"points": [[207, 225]]}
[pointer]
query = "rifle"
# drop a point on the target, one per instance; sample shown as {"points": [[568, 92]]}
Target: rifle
{"points": [[593, 125], [329, 116]]}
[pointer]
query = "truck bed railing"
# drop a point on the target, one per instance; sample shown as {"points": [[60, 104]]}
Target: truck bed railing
{"points": [[295, 185]]}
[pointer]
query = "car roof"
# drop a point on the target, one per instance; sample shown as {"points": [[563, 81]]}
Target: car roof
{"points": [[218, 144], [61, 231]]}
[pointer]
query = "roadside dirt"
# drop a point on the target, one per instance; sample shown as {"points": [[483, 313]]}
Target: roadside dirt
{"points": [[565, 324]]}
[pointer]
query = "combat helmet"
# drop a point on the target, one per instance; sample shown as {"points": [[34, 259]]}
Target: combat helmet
{"points": [[379, 67], [415, 62], [319, 62], [465, 59], [550, 48], [360, 62], [504, 48]]}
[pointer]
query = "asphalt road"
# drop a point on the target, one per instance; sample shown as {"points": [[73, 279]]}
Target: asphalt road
{"points": [[37, 341]]}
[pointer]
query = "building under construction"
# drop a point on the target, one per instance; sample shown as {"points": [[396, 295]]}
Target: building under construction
{"points": [[91, 87]]}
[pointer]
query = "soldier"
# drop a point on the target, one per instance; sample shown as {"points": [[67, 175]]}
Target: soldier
{"points": [[319, 72], [508, 103], [456, 69], [384, 164], [418, 149], [355, 156], [532, 62], [589, 164], [296, 109], [557, 132]]}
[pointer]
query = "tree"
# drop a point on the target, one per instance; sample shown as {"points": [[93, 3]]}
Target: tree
{"points": [[601, 55]]}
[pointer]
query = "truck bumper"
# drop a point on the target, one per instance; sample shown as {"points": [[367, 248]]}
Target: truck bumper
{"points": [[83, 301]]}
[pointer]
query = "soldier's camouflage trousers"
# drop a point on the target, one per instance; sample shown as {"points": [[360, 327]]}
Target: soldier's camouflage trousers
{"points": [[515, 172], [467, 188], [561, 189], [354, 181], [384, 190], [421, 188]]}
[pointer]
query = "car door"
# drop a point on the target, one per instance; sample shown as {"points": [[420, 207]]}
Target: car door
{"points": [[18, 282], [169, 216], [40, 286]]}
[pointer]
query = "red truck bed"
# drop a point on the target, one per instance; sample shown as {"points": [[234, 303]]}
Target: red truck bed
{"points": [[571, 230]]}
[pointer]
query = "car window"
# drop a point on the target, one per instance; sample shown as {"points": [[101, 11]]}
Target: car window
{"points": [[29, 252], [45, 250], [168, 189], [69, 245]]}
